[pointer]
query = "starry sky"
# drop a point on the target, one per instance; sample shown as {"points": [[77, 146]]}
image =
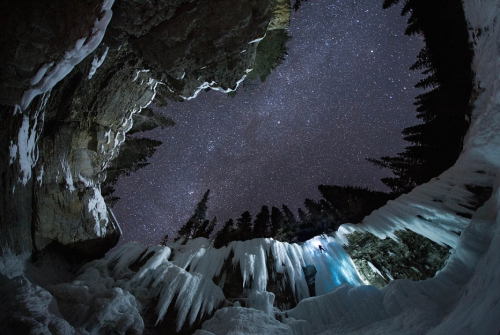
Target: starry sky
{"points": [[343, 93]]}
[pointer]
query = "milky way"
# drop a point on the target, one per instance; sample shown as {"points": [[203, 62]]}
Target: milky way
{"points": [[343, 93]]}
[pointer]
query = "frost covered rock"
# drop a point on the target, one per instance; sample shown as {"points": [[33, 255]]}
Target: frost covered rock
{"points": [[70, 208], [29, 309], [381, 261], [240, 321], [92, 302], [132, 284]]}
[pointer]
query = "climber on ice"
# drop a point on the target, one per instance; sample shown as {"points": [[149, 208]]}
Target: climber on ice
{"points": [[321, 249]]}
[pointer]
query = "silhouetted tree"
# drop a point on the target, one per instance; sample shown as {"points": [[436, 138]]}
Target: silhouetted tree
{"points": [[244, 227], [225, 235], [191, 227], [446, 63], [291, 224], [261, 223], [211, 227], [277, 221]]}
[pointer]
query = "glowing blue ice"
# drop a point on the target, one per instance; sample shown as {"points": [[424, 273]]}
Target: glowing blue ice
{"points": [[333, 264]]}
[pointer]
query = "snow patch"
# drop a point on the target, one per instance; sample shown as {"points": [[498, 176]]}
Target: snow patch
{"points": [[45, 79], [41, 73], [257, 40], [374, 269], [212, 86], [12, 265], [239, 321], [96, 63], [68, 176], [13, 152], [39, 178], [97, 208], [26, 149]]}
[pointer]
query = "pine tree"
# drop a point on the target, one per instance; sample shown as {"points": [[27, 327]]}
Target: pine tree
{"points": [[277, 221], [225, 235], [261, 223], [191, 227], [244, 227], [211, 227], [291, 223], [201, 231]]}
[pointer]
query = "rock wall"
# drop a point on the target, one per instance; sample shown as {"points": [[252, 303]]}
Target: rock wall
{"points": [[56, 150]]}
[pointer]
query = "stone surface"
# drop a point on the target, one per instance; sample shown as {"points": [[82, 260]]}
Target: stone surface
{"points": [[414, 257], [282, 13]]}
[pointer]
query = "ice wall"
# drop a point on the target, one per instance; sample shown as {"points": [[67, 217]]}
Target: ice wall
{"points": [[255, 257]]}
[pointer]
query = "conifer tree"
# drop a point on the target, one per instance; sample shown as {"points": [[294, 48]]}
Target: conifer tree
{"points": [[225, 235], [291, 224], [261, 223], [201, 231], [244, 227], [191, 227], [277, 221], [211, 227]]}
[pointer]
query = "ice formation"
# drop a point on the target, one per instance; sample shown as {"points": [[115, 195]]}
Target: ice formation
{"points": [[239, 320], [115, 291], [254, 257]]}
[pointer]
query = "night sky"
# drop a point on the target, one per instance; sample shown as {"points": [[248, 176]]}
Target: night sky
{"points": [[343, 93]]}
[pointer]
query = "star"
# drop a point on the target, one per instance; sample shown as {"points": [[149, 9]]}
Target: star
{"points": [[263, 153]]}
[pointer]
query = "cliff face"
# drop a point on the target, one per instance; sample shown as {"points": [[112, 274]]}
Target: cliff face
{"points": [[56, 148]]}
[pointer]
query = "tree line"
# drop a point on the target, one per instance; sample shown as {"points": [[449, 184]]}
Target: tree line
{"points": [[338, 205], [444, 108]]}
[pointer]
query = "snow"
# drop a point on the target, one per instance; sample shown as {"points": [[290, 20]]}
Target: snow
{"points": [[29, 309], [212, 86], [257, 40], [39, 178], [262, 301], [46, 79], [67, 172], [41, 72], [138, 72], [26, 150], [12, 265], [97, 208], [193, 294], [239, 321], [377, 271], [12, 152], [430, 209], [109, 142], [114, 221], [96, 63]]}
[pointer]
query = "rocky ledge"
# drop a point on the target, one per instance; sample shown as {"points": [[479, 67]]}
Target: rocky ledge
{"points": [[75, 74]]}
